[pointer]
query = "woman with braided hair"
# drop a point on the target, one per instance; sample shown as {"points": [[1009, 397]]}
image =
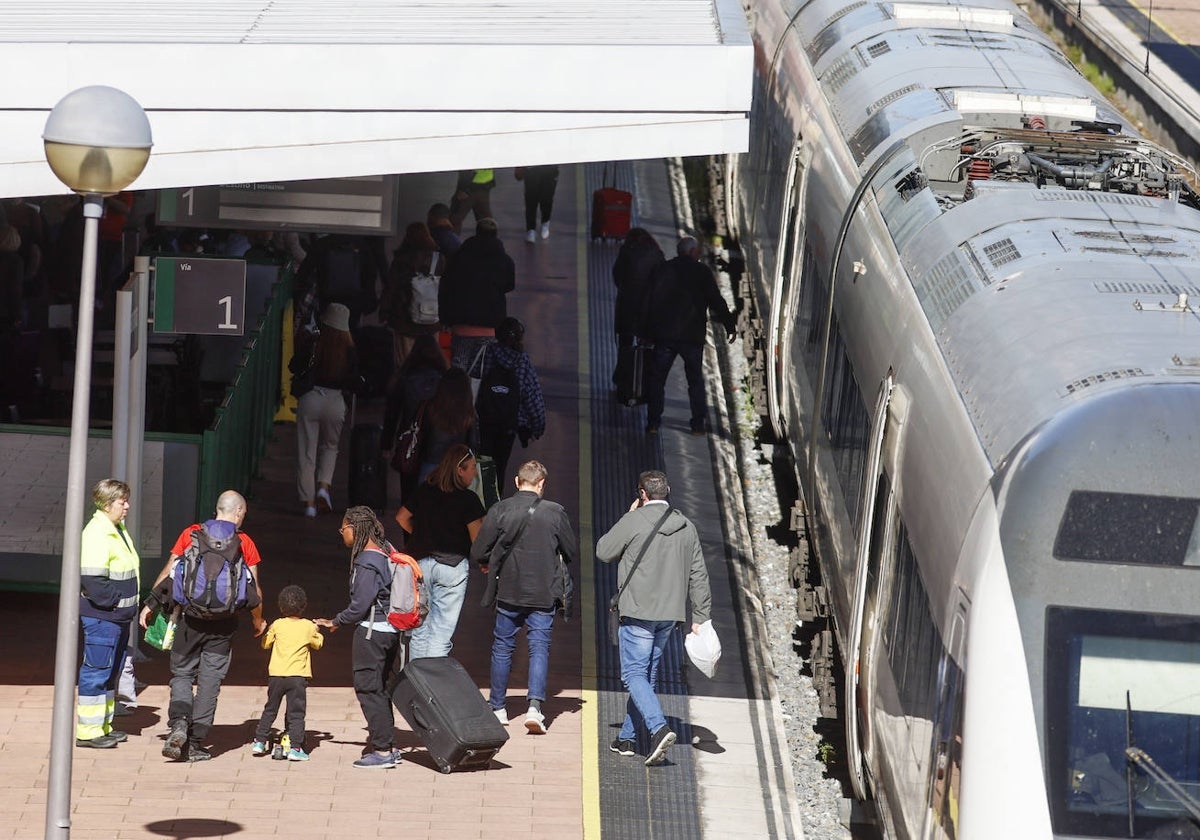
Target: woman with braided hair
{"points": [[376, 643]]}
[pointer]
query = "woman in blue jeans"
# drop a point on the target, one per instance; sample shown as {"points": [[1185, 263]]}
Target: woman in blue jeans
{"points": [[442, 519]]}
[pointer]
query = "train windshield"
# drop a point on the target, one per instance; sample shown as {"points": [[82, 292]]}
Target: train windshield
{"points": [[1116, 681]]}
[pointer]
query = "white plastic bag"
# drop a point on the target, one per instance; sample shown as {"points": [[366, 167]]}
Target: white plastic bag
{"points": [[704, 649]]}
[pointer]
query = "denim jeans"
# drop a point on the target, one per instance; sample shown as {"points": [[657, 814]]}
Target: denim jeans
{"points": [[104, 645], [641, 644], [447, 589], [656, 382], [538, 625]]}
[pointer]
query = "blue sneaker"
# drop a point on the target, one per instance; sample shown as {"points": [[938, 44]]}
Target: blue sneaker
{"points": [[259, 748], [297, 755], [377, 761]]}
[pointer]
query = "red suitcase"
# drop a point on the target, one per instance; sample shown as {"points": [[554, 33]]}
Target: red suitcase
{"points": [[611, 210]]}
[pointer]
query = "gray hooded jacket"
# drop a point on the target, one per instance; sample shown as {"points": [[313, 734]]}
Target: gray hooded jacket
{"points": [[671, 572]]}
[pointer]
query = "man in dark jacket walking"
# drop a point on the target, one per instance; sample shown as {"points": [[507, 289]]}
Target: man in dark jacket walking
{"points": [[654, 592], [471, 294], [682, 293], [523, 537]]}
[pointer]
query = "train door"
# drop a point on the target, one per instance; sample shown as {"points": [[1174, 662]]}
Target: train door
{"points": [[784, 289], [942, 816], [877, 506]]}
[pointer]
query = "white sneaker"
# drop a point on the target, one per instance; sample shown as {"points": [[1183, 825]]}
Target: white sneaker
{"points": [[535, 722], [323, 501], [545, 230], [501, 716], [531, 236], [310, 512]]}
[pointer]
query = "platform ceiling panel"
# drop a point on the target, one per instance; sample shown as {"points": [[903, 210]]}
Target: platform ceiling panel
{"points": [[298, 89]]}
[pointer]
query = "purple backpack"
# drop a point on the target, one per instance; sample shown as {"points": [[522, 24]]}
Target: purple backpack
{"points": [[211, 579]]}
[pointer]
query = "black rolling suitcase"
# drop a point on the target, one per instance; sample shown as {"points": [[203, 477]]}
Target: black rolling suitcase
{"points": [[443, 706], [368, 472], [629, 377]]}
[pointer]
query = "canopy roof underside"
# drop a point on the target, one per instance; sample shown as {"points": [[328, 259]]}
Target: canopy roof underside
{"points": [[253, 90]]}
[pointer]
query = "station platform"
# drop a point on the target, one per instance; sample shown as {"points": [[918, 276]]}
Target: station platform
{"points": [[728, 777]]}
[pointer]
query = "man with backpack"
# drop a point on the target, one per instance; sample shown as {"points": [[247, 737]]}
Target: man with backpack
{"points": [[525, 546], [211, 576], [510, 401]]}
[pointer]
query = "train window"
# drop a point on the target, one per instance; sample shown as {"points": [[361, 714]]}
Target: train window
{"points": [[846, 421], [1114, 681], [913, 643], [814, 298], [1129, 528]]}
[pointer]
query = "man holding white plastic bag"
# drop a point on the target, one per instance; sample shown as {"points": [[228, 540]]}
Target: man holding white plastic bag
{"points": [[660, 568]]}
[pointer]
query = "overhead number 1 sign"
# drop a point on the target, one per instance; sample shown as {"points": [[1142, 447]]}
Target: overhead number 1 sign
{"points": [[199, 296]]}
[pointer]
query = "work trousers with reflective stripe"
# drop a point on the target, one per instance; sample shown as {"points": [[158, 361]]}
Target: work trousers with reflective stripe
{"points": [[104, 645]]}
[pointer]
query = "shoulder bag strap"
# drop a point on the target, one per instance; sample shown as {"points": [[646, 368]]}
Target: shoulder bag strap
{"points": [[642, 552], [517, 536]]}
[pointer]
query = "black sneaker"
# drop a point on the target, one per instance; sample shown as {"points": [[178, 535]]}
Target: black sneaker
{"points": [[622, 746], [173, 748], [197, 753], [660, 742], [100, 742]]}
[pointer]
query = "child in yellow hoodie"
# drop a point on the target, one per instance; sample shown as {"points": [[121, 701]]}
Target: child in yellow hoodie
{"points": [[291, 639]]}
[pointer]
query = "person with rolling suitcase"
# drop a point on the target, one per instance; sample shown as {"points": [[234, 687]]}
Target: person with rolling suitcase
{"points": [[321, 377], [377, 644], [637, 260]]}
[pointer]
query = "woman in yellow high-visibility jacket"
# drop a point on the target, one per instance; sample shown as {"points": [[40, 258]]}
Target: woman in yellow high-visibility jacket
{"points": [[108, 601]]}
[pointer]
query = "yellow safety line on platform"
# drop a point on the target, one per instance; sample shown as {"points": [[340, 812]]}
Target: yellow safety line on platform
{"points": [[587, 600]]}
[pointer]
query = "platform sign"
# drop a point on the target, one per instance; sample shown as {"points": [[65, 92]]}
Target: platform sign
{"points": [[199, 296], [364, 205]]}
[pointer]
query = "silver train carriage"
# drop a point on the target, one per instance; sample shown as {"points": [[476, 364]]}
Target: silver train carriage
{"points": [[971, 292]]}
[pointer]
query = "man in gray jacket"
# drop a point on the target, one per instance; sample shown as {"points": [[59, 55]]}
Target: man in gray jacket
{"points": [[653, 601], [524, 536]]}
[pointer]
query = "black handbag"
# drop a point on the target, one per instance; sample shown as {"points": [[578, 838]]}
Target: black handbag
{"points": [[614, 613], [303, 381]]}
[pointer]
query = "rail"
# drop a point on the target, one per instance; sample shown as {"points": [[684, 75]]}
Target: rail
{"points": [[233, 444]]}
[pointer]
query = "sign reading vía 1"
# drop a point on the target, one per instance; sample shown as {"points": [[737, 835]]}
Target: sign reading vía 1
{"points": [[199, 296], [364, 205]]}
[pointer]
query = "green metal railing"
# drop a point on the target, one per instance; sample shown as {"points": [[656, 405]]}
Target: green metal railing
{"points": [[231, 447]]}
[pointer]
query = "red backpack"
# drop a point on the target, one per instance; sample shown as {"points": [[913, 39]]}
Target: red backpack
{"points": [[410, 592]]}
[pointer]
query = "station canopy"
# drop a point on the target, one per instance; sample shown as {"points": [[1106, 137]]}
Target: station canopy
{"points": [[282, 90]]}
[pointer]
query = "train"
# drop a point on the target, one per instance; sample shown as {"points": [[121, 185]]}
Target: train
{"points": [[970, 298]]}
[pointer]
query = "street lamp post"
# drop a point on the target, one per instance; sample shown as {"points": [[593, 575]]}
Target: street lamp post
{"points": [[97, 142]]}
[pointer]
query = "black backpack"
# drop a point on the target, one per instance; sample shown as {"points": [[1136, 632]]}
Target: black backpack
{"points": [[499, 400]]}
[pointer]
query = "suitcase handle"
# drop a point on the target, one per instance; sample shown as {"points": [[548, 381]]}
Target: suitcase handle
{"points": [[416, 716]]}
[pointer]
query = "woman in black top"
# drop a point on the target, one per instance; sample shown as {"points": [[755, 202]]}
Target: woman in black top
{"points": [[442, 520]]}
